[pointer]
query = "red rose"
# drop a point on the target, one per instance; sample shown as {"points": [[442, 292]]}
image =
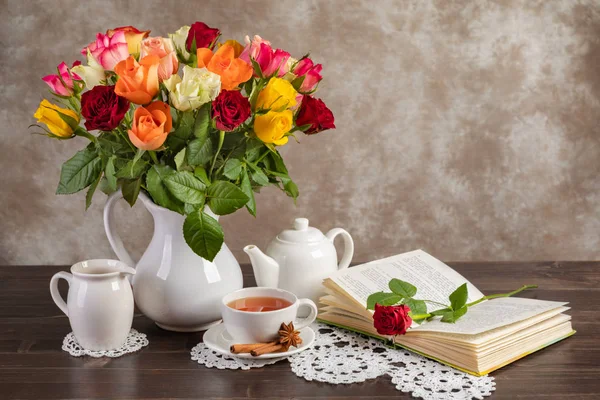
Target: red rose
{"points": [[102, 108], [230, 109], [315, 113], [203, 34], [391, 320]]}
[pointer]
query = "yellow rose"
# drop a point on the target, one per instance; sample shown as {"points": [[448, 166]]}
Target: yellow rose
{"points": [[277, 95], [272, 126], [49, 114]]}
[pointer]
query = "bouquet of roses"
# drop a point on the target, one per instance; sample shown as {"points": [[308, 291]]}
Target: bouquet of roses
{"points": [[192, 120]]}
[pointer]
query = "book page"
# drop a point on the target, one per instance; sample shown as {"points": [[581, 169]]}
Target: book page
{"points": [[492, 314], [434, 279]]}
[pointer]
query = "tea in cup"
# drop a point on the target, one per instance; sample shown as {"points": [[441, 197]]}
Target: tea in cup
{"points": [[254, 315]]}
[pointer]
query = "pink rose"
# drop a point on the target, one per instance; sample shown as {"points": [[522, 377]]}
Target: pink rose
{"points": [[312, 74], [64, 87], [268, 59], [164, 49], [253, 48], [108, 51]]}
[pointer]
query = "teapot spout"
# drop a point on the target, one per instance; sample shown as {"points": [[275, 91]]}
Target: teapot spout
{"points": [[266, 270]]}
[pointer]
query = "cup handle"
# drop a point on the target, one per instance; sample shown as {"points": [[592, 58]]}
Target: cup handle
{"points": [[56, 294], [311, 317]]}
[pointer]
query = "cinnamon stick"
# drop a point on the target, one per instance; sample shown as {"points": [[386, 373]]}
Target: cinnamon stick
{"points": [[247, 348], [269, 348]]}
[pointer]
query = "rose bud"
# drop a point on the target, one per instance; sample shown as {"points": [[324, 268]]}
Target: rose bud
{"points": [[315, 113], [230, 109], [391, 320], [202, 34]]}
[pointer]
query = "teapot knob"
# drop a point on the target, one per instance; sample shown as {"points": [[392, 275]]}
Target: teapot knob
{"points": [[301, 224]]}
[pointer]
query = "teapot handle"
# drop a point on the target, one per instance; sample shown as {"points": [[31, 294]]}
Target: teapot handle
{"points": [[109, 226], [348, 246]]}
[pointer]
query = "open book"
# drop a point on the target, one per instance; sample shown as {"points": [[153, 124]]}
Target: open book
{"points": [[490, 335]]}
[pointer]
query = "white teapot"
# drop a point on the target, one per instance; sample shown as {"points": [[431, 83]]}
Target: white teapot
{"points": [[299, 259]]}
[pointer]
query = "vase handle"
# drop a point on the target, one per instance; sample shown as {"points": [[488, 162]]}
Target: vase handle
{"points": [[109, 226]]}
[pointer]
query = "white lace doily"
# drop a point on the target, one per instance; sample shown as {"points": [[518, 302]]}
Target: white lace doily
{"points": [[135, 341], [339, 356]]}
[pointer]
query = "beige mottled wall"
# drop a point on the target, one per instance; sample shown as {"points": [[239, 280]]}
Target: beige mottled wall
{"points": [[470, 129]]}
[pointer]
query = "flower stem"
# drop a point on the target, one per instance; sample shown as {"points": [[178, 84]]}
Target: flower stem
{"points": [[221, 139], [489, 297], [495, 296], [153, 156], [262, 156]]}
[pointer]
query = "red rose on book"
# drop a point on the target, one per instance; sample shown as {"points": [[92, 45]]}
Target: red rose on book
{"points": [[203, 34], [102, 108], [315, 113], [230, 109], [391, 320]]}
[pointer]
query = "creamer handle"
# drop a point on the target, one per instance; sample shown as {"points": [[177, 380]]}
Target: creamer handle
{"points": [[348, 246], [56, 294], [109, 226]]}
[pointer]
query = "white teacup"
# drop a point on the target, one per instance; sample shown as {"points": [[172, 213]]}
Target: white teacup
{"points": [[99, 303], [262, 327]]}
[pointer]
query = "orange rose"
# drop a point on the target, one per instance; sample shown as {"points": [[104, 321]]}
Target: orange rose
{"points": [[138, 82], [151, 125], [133, 37], [232, 71]]}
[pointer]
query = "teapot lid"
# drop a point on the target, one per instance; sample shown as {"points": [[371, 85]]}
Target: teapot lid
{"points": [[302, 233]]}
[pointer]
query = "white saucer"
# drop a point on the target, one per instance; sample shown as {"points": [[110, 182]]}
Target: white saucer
{"points": [[217, 339]]}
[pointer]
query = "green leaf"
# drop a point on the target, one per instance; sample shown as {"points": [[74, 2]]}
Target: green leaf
{"points": [[246, 187], [131, 189], [186, 187], [105, 187], [202, 121], [79, 172], [132, 170], [199, 151], [458, 298], [180, 159], [258, 175], [279, 164], [440, 312], [109, 173], [233, 168], [383, 299], [291, 189], [158, 190], [402, 288], [200, 173], [254, 148], [191, 208], [416, 306], [453, 316], [176, 140], [225, 197], [256, 68], [90, 192], [203, 234]]}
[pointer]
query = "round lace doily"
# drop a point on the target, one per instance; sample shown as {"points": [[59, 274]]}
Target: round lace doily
{"points": [[135, 341], [339, 356]]}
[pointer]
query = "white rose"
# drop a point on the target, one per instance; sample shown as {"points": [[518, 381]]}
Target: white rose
{"points": [[198, 86], [179, 39], [92, 74]]}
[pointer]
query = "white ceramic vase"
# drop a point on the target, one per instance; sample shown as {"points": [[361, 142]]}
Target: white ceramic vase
{"points": [[173, 286]]}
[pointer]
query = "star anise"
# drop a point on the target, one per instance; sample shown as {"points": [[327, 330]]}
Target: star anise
{"points": [[288, 336]]}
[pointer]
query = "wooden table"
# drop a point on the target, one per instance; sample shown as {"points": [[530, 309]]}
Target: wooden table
{"points": [[32, 365]]}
